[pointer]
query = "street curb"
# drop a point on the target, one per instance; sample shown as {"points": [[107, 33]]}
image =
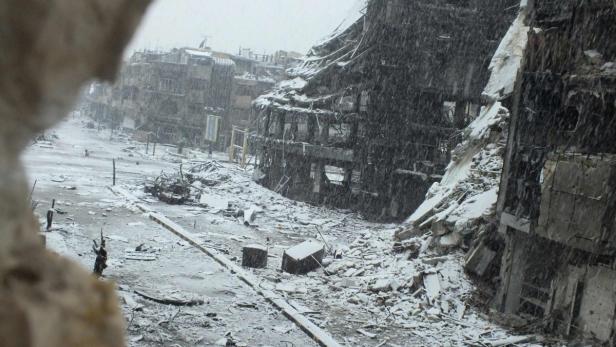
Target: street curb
{"points": [[319, 335]]}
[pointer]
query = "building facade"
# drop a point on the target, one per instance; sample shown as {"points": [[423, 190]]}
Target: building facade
{"points": [[557, 200], [185, 96], [172, 95], [372, 113]]}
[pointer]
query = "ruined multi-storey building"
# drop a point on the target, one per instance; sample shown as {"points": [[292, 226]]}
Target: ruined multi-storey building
{"points": [[174, 95], [190, 96], [557, 196], [371, 115], [254, 75]]}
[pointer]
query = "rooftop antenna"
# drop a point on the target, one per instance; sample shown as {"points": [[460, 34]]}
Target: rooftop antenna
{"points": [[203, 44]]}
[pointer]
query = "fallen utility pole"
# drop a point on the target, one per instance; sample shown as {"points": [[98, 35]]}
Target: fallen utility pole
{"points": [[319, 335]]}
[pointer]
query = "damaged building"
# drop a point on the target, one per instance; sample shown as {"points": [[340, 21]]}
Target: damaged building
{"points": [[370, 117], [178, 96], [557, 196], [255, 74], [190, 96]]}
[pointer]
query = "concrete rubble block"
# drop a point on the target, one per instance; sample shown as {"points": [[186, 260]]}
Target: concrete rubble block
{"points": [[451, 240], [254, 256], [479, 259], [432, 284], [381, 285], [250, 216], [338, 266], [303, 258], [407, 233], [440, 227], [407, 245], [415, 282]]}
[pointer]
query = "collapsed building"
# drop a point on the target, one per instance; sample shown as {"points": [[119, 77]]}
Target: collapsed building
{"points": [[557, 196], [370, 116]]}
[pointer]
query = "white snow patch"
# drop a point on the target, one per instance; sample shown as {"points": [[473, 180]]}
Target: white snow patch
{"points": [[198, 53], [489, 116], [479, 204], [304, 249], [507, 60], [295, 84]]}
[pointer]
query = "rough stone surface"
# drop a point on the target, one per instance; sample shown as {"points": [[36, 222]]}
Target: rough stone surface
{"points": [[49, 49]]}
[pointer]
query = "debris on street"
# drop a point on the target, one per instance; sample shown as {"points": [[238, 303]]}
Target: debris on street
{"points": [[303, 258]]}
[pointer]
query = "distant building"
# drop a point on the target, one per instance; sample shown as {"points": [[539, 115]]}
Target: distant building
{"points": [[187, 95], [174, 95]]}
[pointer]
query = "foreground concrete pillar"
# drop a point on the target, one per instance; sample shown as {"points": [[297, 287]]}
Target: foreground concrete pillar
{"points": [[49, 49]]}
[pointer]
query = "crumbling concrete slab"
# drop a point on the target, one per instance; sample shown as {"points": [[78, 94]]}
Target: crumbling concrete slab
{"points": [[432, 285], [303, 258], [451, 240], [479, 260]]}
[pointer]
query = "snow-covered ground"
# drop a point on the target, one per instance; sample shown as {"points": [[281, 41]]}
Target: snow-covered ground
{"points": [[372, 296]]}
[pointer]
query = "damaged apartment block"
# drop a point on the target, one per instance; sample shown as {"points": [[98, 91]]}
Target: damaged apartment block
{"points": [[370, 117], [557, 198], [187, 96], [170, 97]]}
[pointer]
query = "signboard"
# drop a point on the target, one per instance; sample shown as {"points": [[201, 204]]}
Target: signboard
{"points": [[212, 128]]}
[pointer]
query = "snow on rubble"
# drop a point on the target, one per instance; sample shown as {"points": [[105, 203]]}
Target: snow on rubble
{"points": [[405, 296], [507, 60], [464, 202]]}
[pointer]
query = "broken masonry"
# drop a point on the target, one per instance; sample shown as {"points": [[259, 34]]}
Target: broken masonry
{"points": [[558, 188]]}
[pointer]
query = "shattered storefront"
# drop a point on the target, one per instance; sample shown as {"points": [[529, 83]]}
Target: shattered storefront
{"points": [[371, 115], [557, 198]]}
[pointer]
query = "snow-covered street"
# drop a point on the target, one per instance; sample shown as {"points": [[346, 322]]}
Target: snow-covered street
{"points": [[372, 295]]}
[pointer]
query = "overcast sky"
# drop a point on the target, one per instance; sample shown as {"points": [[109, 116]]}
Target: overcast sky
{"points": [[263, 25]]}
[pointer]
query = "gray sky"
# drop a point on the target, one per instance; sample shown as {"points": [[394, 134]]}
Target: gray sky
{"points": [[263, 25]]}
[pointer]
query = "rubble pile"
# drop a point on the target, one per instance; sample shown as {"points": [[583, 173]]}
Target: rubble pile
{"points": [[362, 290], [459, 210], [181, 188], [410, 289], [457, 207]]}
